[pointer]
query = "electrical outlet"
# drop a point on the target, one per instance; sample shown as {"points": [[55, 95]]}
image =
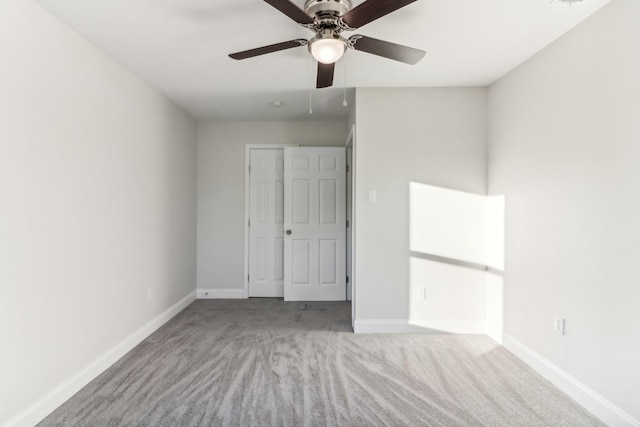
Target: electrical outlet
{"points": [[558, 324], [422, 293]]}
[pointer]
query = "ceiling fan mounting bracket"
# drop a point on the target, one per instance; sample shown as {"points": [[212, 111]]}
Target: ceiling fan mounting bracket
{"points": [[351, 41], [326, 16], [322, 9], [326, 23], [344, 26]]}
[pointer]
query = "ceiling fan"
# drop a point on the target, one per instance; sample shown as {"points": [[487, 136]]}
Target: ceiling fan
{"points": [[328, 19]]}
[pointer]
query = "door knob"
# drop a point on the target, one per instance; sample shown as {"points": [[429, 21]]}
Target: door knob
{"points": [[288, 232]]}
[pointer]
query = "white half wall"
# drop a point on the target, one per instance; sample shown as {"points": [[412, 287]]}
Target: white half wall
{"points": [[97, 206], [428, 136], [565, 150], [221, 151]]}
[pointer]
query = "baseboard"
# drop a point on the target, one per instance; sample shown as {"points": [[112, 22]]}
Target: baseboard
{"points": [[49, 402], [450, 326], [222, 294], [606, 411], [381, 326], [404, 326]]}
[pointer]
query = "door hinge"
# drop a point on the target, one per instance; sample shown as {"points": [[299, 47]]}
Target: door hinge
{"points": [[347, 168], [347, 279], [347, 223], [249, 168], [249, 223], [248, 277]]}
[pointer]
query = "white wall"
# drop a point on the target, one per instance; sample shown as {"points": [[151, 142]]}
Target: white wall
{"points": [[221, 150], [565, 149], [454, 238], [97, 204], [426, 136]]}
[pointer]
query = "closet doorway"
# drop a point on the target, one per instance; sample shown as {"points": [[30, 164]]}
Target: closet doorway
{"points": [[295, 235]]}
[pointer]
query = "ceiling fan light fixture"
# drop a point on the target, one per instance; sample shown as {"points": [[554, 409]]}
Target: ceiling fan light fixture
{"points": [[327, 49], [328, 19]]}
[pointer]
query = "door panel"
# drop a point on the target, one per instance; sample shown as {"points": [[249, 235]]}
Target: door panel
{"points": [[301, 195], [266, 216], [328, 261], [328, 201], [279, 263], [262, 255], [300, 261], [315, 213], [280, 200]]}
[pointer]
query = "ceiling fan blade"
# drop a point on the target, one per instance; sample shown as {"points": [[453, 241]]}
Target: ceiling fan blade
{"points": [[397, 52], [291, 10], [268, 49], [371, 10], [325, 75]]}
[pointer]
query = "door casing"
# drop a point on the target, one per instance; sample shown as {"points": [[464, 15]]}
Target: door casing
{"points": [[350, 230]]}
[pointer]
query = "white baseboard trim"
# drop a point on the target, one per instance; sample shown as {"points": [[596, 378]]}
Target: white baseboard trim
{"points": [[593, 402], [404, 326], [453, 326], [52, 400], [222, 294], [381, 326]]}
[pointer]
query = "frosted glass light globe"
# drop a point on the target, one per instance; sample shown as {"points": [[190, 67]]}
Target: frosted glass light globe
{"points": [[327, 51]]}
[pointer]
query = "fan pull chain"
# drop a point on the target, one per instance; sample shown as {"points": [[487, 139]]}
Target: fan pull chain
{"points": [[344, 86], [310, 83]]}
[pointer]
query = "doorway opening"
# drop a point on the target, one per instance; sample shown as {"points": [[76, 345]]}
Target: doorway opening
{"points": [[296, 223]]}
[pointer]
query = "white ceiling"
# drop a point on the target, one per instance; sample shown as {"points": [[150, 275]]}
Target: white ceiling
{"points": [[181, 46]]}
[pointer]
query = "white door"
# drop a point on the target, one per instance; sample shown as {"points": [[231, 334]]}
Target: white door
{"points": [[315, 224], [266, 223]]}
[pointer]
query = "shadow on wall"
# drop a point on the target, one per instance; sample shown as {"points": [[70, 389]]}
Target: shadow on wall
{"points": [[456, 260]]}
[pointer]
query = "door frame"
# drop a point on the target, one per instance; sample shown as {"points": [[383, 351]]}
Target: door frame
{"points": [[247, 201], [351, 230]]}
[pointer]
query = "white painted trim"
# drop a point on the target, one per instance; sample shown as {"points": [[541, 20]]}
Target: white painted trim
{"points": [[241, 293], [56, 397], [247, 160], [351, 142], [405, 326], [593, 402], [381, 326], [452, 326]]}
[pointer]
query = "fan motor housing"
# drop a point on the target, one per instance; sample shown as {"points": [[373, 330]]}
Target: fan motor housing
{"points": [[323, 9]]}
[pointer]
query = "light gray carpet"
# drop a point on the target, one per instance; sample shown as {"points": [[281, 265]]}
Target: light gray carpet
{"points": [[265, 362]]}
